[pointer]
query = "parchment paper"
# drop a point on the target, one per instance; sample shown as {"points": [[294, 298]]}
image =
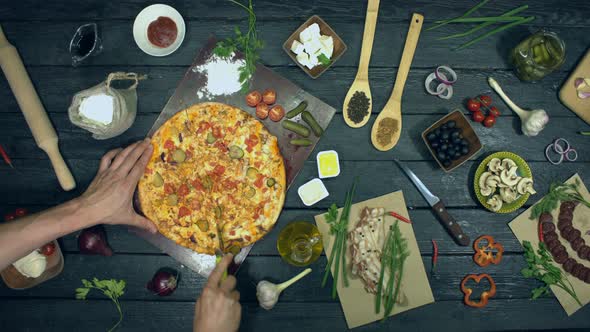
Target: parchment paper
{"points": [[526, 229], [359, 305]]}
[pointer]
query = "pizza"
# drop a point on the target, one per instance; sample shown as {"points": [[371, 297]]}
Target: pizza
{"points": [[216, 179]]}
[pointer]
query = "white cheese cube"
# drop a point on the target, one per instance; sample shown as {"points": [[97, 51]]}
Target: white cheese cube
{"points": [[313, 61], [303, 58], [312, 46], [327, 45], [297, 47], [311, 32]]}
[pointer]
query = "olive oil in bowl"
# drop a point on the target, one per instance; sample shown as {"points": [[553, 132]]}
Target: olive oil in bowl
{"points": [[300, 243]]}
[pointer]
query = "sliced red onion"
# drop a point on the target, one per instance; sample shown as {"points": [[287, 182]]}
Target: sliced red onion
{"points": [[443, 78], [567, 155], [547, 149], [442, 90], [558, 148], [581, 83]]}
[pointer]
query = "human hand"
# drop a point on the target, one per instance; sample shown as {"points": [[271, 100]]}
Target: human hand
{"points": [[108, 199], [218, 309]]}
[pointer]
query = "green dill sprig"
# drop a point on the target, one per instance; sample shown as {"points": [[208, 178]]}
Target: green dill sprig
{"points": [[111, 288]]}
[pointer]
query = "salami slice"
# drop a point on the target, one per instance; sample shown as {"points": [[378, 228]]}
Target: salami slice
{"points": [[562, 225], [577, 269], [573, 235], [552, 244], [584, 274], [548, 227], [578, 243], [584, 252], [566, 230], [569, 265], [550, 237], [546, 217], [560, 257]]}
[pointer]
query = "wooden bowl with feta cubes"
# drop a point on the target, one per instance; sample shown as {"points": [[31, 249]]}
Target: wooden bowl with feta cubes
{"points": [[314, 46]]}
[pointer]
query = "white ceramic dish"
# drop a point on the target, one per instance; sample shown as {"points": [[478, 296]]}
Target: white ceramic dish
{"points": [[312, 192], [147, 16], [322, 176]]}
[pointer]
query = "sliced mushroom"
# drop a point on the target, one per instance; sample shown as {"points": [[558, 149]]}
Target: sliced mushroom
{"points": [[509, 177], [495, 202], [495, 166], [508, 163], [525, 185], [508, 195], [483, 187], [493, 181]]}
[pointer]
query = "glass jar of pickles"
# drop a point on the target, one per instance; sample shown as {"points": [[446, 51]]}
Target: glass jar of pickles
{"points": [[538, 55]]}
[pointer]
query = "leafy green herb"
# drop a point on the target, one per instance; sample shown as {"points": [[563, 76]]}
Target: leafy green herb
{"points": [[112, 288], [558, 192], [338, 228], [541, 268], [248, 44], [324, 60], [395, 252]]}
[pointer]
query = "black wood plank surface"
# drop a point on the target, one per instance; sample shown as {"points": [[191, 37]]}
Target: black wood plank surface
{"points": [[41, 32]]}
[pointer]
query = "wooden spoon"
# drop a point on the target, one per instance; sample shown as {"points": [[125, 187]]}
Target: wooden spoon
{"points": [[361, 81], [391, 115]]}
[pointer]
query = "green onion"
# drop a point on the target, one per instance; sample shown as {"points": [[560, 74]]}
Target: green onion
{"points": [[496, 30], [493, 19], [467, 13]]}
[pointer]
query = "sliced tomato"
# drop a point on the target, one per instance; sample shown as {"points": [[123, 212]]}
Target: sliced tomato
{"points": [[188, 154], [195, 204], [169, 144], [168, 188], [148, 170], [258, 182], [247, 237], [20, 212], [229, 184], [203, 125], [217, 132], [257, 164], [232, 232], [197, 184], [218, 170], [220, 145], [183, 190], [183, 211]]}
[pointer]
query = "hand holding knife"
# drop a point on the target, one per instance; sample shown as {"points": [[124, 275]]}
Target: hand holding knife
{"points": [[438, 207]]}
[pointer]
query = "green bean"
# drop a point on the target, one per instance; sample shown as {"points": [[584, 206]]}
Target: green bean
{"points": [[315, 126], [295, 127], [300, 108]]}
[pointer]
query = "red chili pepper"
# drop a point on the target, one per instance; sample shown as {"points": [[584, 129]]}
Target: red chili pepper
{"points": [[6, 157], [400, 217], [434, 255], [541, 237]]}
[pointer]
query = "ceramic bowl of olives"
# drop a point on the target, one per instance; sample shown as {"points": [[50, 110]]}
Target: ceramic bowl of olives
{"points": [[452, 141]]}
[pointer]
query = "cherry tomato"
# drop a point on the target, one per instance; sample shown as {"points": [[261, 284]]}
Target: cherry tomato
{"points": [[494, 111], [269, 96], [489, 121], [478, 116], [277, 112], [9, 216], [48, 249], [20, 212], [473, 105], [485, 100], [253, 98], [262, 111]]}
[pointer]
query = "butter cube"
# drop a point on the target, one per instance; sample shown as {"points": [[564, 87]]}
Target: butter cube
{"points": [[297, 47], [303, 58], [309, 33]]}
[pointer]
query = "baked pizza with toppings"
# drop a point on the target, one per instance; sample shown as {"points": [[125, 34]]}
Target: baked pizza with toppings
{"points": [[216, 179]]}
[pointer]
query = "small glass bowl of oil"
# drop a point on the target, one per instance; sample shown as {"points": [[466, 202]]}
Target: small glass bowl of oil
{"points": [[300, 243]]}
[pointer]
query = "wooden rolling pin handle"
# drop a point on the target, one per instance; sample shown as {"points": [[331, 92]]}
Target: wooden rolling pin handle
{"points": [[64, 176]]}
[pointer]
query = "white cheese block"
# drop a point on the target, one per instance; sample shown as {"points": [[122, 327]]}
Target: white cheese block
{"points": [[309, 33], [303, 58], [312, 46], [313, 61], [297, 47], [327, 46]]}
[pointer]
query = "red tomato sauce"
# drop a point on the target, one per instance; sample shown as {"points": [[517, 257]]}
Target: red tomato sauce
{"points": [[162, 32]]}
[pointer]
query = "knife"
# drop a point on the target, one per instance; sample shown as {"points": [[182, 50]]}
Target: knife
{"points": [[438, 207]]}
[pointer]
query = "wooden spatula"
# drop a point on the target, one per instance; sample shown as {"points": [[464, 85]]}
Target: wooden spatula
{"points": [[361, 81], [388, 125]]}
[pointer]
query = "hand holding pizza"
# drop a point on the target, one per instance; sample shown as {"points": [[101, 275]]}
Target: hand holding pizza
{"points": [[108, 199], [218, 309]]}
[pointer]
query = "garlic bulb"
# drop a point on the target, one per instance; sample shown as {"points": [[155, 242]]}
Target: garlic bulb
{"points": [[532, 122], [268, 293]]}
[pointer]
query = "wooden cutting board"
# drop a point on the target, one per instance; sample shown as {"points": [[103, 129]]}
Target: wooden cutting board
{"points": [[568, 94]]}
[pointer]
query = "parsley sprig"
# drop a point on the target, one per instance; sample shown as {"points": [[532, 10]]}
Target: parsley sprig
{"points": [[558, 192], [338, 228], [111, 288], [541, 268], [248, 44]]}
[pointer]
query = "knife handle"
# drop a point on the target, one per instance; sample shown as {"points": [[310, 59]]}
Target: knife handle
{"points": [[450, 224]]}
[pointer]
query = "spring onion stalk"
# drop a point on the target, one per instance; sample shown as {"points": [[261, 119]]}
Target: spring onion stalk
{"points": [[496, 30], [467, 13], [493, 19], [484, 25]]}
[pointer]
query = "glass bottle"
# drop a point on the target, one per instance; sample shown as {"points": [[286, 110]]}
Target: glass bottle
{"points": [[538, 55], [299, 243]]}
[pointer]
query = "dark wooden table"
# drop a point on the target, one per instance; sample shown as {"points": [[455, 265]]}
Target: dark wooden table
{"points": [[41, 32]]}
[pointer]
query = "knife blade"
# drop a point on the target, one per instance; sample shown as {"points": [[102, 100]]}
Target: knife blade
{"points": [[438, 207]]}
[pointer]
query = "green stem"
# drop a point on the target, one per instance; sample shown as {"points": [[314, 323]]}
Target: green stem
{"points": [[116, 301], [493, 19], [484, 25], [467, 13], [498, 29], [330, 261], [585, 133], [343, 256], [337, 266]]}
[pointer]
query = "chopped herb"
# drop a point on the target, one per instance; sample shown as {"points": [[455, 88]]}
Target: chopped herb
{"points": [[112, 288], [558, 192], [324, 60]]}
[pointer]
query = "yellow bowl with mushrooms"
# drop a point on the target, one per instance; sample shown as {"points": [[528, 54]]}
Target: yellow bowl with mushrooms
{"points": [[503, 182]]}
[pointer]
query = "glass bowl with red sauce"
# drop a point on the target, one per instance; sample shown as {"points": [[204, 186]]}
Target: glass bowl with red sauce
{"points": [[159, 30]]}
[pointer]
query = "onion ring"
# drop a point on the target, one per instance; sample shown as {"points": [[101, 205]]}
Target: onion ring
{"points": [[547, 149], [561, 150], [567, 153], [442, 90], [442, 77], [581, 84]]}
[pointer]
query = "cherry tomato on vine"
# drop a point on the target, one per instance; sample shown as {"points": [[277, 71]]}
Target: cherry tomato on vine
{"points": [[489, 121], [478, 116], [48, 249], [473, 105], [485, 100], [494, 111]]}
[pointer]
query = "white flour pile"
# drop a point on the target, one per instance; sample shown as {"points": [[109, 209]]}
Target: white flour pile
{"points": [[223, 76]]}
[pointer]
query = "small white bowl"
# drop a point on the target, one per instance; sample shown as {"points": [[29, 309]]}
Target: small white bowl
{"points": [[322, 176], [314, 188], [147, 16]]}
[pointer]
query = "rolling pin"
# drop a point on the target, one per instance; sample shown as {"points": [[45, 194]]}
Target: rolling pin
{"points": [[33, 110]]}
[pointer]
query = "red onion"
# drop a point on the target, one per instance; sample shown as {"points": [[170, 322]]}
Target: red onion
{"points": [[164, 282], [443, 78], [93, 241]]}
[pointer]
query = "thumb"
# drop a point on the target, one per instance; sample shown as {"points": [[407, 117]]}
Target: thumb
{"points": [[143, 223]]}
